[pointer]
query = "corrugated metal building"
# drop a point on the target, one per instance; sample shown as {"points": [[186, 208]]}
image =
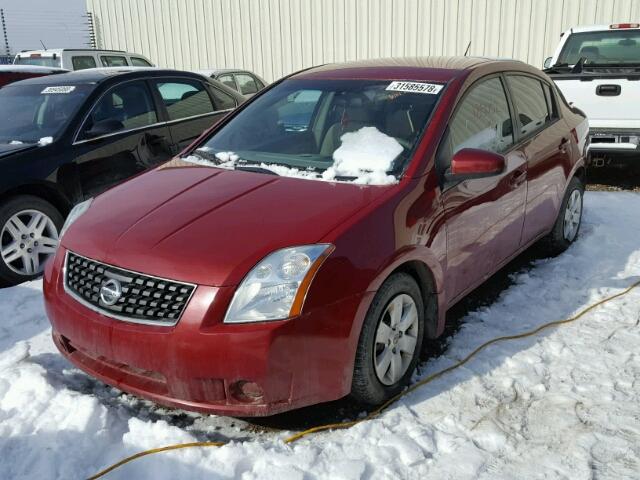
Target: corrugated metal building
{"points": [[276, 37]]}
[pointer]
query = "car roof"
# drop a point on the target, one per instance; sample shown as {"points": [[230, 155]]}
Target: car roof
{"points": [[598, 28], [99, 75], [60, 50], [409, 68], [220, 71]]}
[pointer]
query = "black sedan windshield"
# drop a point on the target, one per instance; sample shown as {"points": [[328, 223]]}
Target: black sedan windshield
{"points": [[328, 128], [31, 113]]}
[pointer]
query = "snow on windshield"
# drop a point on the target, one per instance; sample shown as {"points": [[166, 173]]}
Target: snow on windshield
{"points": [[365, 156]]}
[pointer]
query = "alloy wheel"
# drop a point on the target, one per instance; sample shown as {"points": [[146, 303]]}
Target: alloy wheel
{"points": [[396, 339], [572, 216], [27, 240]]}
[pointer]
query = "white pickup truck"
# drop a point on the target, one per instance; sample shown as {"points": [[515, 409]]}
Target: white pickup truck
{"points": [[597, 69]]}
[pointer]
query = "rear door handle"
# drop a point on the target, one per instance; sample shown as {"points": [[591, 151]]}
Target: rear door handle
{"points": [[518, 177], [563, 144]]}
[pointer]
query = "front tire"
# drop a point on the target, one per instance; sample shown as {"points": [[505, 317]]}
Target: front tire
{"points": [[390, 341], [29, 230], [565, 231]]}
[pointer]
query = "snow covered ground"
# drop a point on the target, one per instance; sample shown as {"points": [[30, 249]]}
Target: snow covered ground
{"points": [[565, 404]]}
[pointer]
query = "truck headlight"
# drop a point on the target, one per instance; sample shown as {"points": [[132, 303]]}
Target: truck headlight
{"points": [[75, 214], [276, 287]]}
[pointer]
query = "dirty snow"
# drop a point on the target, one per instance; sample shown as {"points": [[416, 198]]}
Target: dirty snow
{"points": [[562, 405]]}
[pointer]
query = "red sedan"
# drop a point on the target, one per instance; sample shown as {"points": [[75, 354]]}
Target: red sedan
{"points": [[304, 247]]}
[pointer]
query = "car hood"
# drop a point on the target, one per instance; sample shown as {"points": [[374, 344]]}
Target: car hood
{"points": [[7, 149], [209, 226]]}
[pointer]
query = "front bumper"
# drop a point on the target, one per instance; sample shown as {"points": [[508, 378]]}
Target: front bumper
{"points": [[204, 365]]}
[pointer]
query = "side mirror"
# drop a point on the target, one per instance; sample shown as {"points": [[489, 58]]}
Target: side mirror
{"points": [[104, 127], [547, 62], [471, 163]]}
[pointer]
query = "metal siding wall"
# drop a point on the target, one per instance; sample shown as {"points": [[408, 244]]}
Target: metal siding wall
{"points": [[276, 37]]}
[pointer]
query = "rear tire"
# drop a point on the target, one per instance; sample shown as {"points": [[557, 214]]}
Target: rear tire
{"points": [[390, 341], [567, 226], [29, 230]]}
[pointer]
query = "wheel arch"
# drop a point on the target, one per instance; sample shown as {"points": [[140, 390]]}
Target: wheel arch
{"points": [[423, 276], [421, 264], [44, 191]]}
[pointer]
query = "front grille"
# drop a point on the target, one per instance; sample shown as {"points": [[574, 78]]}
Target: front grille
{"points": [[143, 299]]}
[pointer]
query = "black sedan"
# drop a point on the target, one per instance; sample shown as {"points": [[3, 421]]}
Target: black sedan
{"points": [[67, 137]]}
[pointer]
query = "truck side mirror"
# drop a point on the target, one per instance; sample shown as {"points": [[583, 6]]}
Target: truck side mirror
{"points": [[547, 62]]}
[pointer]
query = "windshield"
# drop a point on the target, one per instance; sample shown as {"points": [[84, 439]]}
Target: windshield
{"points": [[37, 113], [608, 47], [39, 61], [350, 130]]}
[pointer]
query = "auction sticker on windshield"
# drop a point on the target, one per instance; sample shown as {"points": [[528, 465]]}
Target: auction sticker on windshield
{"points": [[62, 89], [415, 87]]}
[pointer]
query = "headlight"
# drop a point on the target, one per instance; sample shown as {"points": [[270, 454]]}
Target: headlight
{"points": [[75, 214], [275, 288]]}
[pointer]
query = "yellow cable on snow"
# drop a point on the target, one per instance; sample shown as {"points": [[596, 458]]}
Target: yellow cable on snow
{"points": [[384, 406]]}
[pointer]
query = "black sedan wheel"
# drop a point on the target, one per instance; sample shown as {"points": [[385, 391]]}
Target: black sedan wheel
{"points": [[29, 229]]}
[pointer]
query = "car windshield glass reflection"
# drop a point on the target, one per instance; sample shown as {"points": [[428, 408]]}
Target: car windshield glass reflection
{"points": [[327, 127], [34, 112]]}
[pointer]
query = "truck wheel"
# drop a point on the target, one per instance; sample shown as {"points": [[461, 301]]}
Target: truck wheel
{"points": [[390, 341], [567, 225], [29, 228]]}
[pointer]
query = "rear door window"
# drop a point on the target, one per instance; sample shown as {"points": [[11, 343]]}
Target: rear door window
{"points": [[83, 62], [113, 61], [140, 62], [246, 84], [124, 107], [530, 103], [482, 120], [228, 80], [184, 99]]}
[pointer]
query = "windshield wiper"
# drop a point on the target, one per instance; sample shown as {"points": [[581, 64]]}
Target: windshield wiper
{"points": [[255, 169]]}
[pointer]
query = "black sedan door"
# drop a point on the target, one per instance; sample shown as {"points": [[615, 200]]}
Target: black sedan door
{"points": [[121, 136], [191, 107]]}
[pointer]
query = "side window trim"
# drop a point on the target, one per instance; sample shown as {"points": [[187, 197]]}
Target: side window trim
{"points": [[445, 134], [76, 137], [520, 137]]}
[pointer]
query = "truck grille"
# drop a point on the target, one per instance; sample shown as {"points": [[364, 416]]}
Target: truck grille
{"points": [[130, 296]]}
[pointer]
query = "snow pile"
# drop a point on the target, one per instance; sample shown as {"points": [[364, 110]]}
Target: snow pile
{"points": [[366, 154], [45, 141], [15, 142], [562, 405]]}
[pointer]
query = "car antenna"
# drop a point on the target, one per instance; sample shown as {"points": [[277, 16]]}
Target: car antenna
{"points": [[43, 45], [467, 50]]}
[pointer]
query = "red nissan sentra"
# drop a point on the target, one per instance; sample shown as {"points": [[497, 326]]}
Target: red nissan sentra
{"points": [[303, 248]]}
